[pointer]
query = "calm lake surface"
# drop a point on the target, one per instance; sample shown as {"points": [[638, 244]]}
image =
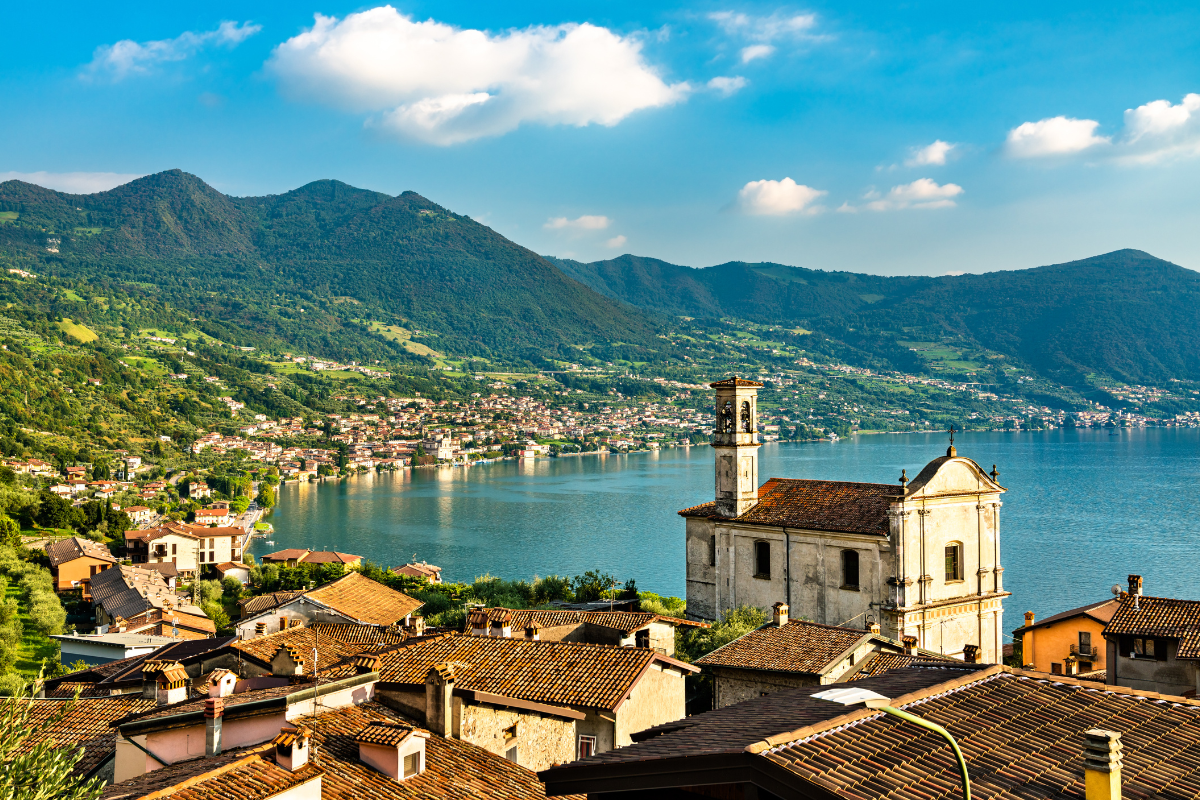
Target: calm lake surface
{"points": [[1083, 510]]}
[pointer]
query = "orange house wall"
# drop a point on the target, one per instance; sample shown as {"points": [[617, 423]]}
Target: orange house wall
{"points": [[1052, 644], [78, 570]]}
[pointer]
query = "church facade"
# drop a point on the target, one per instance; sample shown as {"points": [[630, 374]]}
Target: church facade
{"points": [[921, 559]]}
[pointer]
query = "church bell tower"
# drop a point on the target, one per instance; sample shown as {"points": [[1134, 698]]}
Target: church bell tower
{"points": [[735, 438]]}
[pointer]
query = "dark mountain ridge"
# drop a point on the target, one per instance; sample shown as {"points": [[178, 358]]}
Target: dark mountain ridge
{"points": [[1125, 314]]}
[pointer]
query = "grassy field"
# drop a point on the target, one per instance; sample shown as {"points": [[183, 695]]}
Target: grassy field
{"points": [[76, 331], [35, 646], [8, 216], [404, 336]]}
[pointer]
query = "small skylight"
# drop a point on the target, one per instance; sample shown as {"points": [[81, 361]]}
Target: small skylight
{"points": [[853, 697]]}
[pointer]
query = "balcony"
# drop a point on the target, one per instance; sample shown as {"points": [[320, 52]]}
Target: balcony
{"points": [[1083, 651]]}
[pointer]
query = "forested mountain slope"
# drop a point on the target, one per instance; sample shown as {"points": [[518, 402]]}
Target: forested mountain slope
{"points": [[328, 251], [1124, 314]]}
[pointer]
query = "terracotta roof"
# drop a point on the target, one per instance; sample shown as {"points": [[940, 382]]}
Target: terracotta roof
{"points": [[365, 600], [798, 646], [816, 505], [1159, 616], [86, 723], [625, 622], [265, 602], [165, 568], [417, 570], [1101, 612], [196, 704], [734, 381], [734, 728], [882, 663], [387, 733], [329, 557], [333, 642], [284, 555], [126, 671], [65, 550], [170, 619], [243, 774], [563, 673], [455, 770]]}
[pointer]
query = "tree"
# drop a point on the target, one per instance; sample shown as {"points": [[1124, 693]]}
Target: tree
{"points": [[10, 532], [266, 497], [35, 767]]}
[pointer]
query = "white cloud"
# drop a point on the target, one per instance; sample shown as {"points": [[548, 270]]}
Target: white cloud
{"points": [[1056, 136], [727, 86], [921, 193], [616, 241], [765, 29], [756, 51], [72, 182], [1159, 130], [127, 57], [932, 155], [777, 198], [436, 83], [587, 222]]}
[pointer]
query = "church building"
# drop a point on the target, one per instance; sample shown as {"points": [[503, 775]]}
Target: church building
{"points": [[920, 558]]}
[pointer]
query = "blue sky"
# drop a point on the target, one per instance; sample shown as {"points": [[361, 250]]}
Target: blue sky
{"points": [[897, 139]]}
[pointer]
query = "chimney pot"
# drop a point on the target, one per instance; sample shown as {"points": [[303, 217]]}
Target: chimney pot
{"points": [[1028, 618], [874, 628], [291, 747], [1102, 764], [971, 653], [1135, 585], [909, 643], [780, 615], [260, 629]]}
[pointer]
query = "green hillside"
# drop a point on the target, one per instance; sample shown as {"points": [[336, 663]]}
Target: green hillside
{"points": [[302, 268], [1126, 315]]}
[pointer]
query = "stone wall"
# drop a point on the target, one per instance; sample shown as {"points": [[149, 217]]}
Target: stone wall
{"points": [[735, 685], [540, 741]]}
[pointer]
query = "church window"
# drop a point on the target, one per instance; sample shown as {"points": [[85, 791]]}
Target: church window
{"points": [[850, 569], [954, 570], [712, 551], [762, 560]]}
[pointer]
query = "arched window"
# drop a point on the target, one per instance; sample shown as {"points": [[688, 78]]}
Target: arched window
{"points": [[850, 569], [954, 565], [762, 560]]}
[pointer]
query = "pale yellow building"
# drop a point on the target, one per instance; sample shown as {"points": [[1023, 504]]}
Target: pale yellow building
{"points": [[920, 558]]}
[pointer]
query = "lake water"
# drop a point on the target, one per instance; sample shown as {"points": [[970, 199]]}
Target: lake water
{"points": [[1084, 509]]}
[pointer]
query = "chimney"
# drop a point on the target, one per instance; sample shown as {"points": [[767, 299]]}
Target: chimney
{"points": [[291, 747], [214, 710], [395, 749], [150, 669], [501, 623], [260, 629], [971, 653], [1028, 618], [1101, 765], [287, 662], [910, 642], [418, 626], [779, 615], [1135, 585], [533, 631], [439, 699], [221, 683], [874, 628], [172, 684]]}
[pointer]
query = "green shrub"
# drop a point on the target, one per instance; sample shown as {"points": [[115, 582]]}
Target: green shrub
{"points": [[207, 592]]}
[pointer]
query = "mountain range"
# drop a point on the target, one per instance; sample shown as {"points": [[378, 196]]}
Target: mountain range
{"points": [[310, 268]]}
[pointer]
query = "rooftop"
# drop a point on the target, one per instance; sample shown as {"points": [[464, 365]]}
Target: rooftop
{"points": [[624, 621], [333, 642], [1101, 612], [841, 506], [798, 646], [1159, 616], [1021, 734], [86, 723], [65, 550], [563, 673]]}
